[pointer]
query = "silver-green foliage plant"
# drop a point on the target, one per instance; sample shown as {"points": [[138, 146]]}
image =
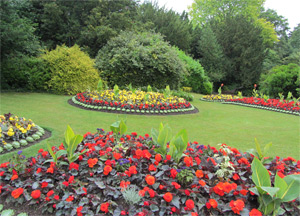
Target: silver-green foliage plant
{"points": [[225, 168], [131, 195], [270, 198]]}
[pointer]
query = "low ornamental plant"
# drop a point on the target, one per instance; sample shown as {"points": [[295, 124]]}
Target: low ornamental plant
{"points": [[126, 175], [133, 101], [218, 97], [17, 131]]}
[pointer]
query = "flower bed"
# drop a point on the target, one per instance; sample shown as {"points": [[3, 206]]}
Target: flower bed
{"points": [[125, 175], [289, 107], [139, 102], [17, 132], [218, 98]]}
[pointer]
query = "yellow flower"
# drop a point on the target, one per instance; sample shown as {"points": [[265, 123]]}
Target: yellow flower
{"points": [[11, 118], [33, 125], [24, 131], [10, 133]]}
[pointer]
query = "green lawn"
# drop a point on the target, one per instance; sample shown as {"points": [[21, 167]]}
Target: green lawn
{"points": [[215, 123]]}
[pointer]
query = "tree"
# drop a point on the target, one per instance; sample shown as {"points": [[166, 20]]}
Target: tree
{"points": [[175, 27], [212, 57], [202, 11], [243, 48], [294, 38]]}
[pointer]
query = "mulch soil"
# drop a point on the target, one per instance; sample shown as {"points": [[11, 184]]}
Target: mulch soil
{"points": [[131, 113]]}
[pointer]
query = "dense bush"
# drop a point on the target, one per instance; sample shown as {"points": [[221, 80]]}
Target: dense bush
{"points": [[71, 70], [27, 73], [281, 79], [195, 76], [140, 59]]}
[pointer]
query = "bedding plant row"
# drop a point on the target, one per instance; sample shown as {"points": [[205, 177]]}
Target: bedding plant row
{"points": [[136, 101], [111, 173], [17, 131]]}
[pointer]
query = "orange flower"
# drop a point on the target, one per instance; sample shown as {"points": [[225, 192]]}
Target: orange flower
{"points": [[142, 193], [227, 187], [139, 153], [124, 184], [107, 170], [176, 185], [188, 161], [92, 162], [150, 180], [14, 177], [189, 204], [168, 197], [255, 212], [199, 173], [243, 192], [213, 203], [202, 183], [104, 207], [70, 199], [117, 155], [36, 194], [158, 157], [237, 206], [17, 192]]}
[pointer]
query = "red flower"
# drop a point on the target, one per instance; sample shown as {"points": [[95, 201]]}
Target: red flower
{"points": [[92, 162], [50, 170], [151, 193], [255, 212], [158, 157], [168, 197], [173, 173], [236, 176], [36, 194], [150, 180], [65, 183], [78, 210], [227, 187], [280, 174], [211, 203], [117, 155], [189, 204], [56, 197], [199, 173], [124, 184], [71, 180], [243, 192], [194, 213], [147, 154], [17, 193], [134, 134], [188, 161], [14, 177], [142, 193], [139, 153], [107, 169], [152, 167], [38, 170], [176, 185], [44, 184], [44, 154], [237, 206], [73, 166], [168, 157], [50, 193], [212, 160]]}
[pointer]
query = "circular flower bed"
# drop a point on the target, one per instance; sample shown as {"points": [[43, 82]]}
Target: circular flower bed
{"points": [[218, 98], [138, 102], [289, 107], [124, 175], [17, 132]]}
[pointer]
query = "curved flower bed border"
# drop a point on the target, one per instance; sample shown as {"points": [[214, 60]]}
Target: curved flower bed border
{"points": [[45, 135], [131, 109], [96, 182], [271, 104]]}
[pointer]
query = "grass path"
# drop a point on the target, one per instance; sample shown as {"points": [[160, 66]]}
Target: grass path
{"points": [[215, 123]]}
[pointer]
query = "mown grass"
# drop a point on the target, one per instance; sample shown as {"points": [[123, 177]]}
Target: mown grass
{"points": [[215, 123]]}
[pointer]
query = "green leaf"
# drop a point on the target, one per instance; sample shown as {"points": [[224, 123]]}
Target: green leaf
{"points": [[281, 184], [51, 152], [60, 153], [69, 134], [164, 136], [115, 127], [258, 148], [123, 127], [176, 201], [154, 134], [260, 175], [1, 207], [253, 151], [254, 190], [270, 190], [74, 143], [267, 147], [22, 214], [8, 212], [293, 189], [154, 208]]}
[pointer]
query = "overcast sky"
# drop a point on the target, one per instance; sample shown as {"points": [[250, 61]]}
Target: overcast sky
{"points": [[287, 8]]}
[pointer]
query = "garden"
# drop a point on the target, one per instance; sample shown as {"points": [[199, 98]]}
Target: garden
{"points": [[132, 109]]}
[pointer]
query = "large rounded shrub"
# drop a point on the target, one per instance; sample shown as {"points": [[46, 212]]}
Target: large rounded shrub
{"points": [[195, 77], [71, 70], [281, 79], [140, 59]]}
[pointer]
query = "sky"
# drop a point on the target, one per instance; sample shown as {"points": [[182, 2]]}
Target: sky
{"points": [[286, 8]]}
